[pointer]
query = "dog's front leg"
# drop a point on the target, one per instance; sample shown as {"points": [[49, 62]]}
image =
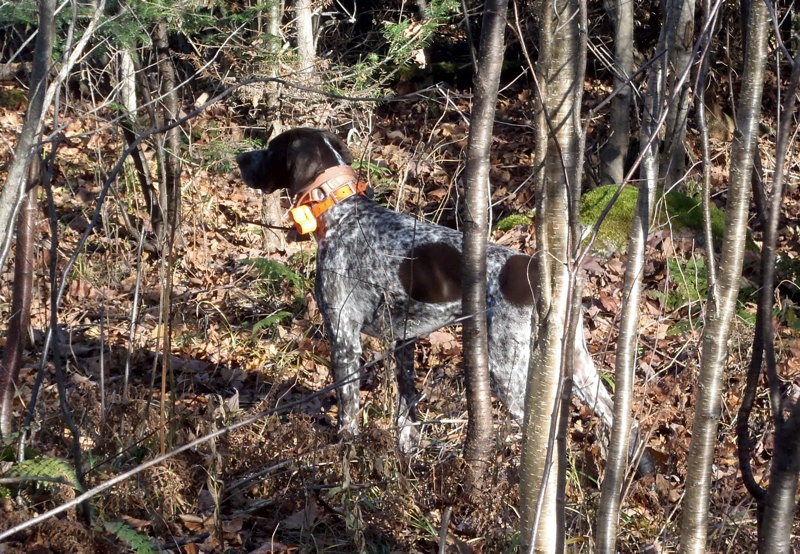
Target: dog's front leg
{"points": [[407, 402], [587, 382], [346, 360]]}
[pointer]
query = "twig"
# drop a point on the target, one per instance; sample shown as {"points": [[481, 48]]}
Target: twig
{"points": [[443, 530]]}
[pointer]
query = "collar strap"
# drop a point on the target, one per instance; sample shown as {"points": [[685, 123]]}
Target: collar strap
{"points": [[337, 195], [331, 187], [328, 180]]}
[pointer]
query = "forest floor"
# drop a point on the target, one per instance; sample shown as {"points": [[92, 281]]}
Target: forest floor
{"points": [[247, 337]]}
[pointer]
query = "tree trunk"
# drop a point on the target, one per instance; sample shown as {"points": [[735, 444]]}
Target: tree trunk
{"points": [[170, 200], [20, 320], [128, 98], [778, 504], [608, 516], [613, 171], [476, 228], [560, 80], [680, 36], [776, 507], [306, 47], [722, 295], [271, 211], [13, 191], [170, 189], [624, 368], [18, 177], [616, 149]]}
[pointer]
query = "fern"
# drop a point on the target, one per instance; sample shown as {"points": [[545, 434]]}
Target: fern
{"points": [[46, 470], [271, 321], [275, 272], [137, 542]]}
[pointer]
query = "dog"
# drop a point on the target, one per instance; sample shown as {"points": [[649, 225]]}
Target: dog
{"points": [[392, 276]]}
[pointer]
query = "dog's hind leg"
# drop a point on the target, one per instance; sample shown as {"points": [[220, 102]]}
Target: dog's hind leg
{"points": [[588, 386], [407, 401], [509, 352]]}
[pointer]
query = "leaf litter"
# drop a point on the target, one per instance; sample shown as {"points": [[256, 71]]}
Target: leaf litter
{"points": [[247, 338]]}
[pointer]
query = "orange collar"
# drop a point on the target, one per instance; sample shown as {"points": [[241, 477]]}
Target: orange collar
{"points": [[331, 187]]}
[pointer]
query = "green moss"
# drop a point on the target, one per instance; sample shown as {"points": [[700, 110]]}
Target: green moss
{"points": [[678, 210], [13, 98], [511, 221], [616, 227]]}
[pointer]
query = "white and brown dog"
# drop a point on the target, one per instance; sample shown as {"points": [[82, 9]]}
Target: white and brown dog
{"points": [[391, 276]]}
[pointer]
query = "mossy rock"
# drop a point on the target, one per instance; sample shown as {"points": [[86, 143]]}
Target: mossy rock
{"points": [[680, 211], [13, 98]]}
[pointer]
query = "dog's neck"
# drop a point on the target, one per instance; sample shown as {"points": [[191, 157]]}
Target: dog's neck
{"points": [[332, 186], [326, 182]]}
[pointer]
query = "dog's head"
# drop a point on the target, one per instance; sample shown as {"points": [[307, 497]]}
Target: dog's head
{"points": [[293, 160]]}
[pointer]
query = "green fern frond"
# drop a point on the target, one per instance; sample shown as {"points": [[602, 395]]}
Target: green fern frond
{"points": [[46, 470], [137, 542], [271, 321], [275, 272]]}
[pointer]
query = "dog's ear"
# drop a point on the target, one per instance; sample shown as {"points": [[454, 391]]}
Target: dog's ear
{"points": [[305, 157], [309, 152]]}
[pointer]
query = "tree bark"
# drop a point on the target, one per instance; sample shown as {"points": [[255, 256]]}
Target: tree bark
{"points": [[306, 47], [150, 191], [20, 320], [170, 189], [170, 200], [129, 99], [613, 478], [560, 79], [13, 191], [18, 177], [680, 37], [271, 211], [615, 152], [778, 505], [722, 295], [624, 368], [476, 228]]}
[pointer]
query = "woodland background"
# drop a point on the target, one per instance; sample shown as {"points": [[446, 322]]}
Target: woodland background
{"points": [[166, 252]]}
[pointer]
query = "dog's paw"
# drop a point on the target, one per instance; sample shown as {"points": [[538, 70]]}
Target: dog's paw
{"points": [[348, 431], [407, 437]]}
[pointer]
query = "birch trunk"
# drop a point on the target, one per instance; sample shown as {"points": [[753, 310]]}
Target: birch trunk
{"points": [[476, 230], [722, 294], [560, 79], [616, 149]]}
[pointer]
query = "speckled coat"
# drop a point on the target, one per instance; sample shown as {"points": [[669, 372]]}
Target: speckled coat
{"points": [[391, 276]]}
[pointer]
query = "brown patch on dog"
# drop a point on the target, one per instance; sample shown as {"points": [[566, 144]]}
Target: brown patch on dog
{"points": [[432, 273], [517, 279]]}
